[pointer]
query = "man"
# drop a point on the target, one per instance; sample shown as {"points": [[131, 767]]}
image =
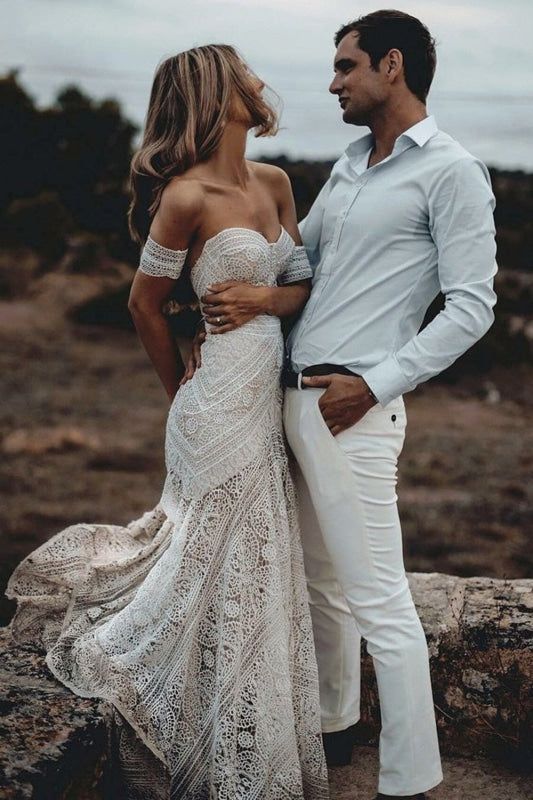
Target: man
{"points": [[405, 213]]}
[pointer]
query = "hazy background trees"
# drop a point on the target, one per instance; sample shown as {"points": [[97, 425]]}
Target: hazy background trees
{"points": [[64, 170]]}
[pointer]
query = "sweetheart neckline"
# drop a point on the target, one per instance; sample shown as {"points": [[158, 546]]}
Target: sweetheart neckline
{"points": [[238, 228], [251, 230]]}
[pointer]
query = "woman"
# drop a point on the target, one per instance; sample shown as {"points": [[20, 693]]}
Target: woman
{"points": [[193, 620]]}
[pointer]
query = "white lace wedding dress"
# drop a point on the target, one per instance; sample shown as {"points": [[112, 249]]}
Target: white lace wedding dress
{"points": [[193, 620]]}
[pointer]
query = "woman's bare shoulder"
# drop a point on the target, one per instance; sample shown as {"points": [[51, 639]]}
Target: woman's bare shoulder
{"points": [[183, 194], [269, 172], [179, 213], [274, 178]]}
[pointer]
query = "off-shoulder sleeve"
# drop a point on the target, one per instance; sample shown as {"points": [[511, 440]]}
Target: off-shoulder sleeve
{"points": [[297, 267], [161, 261]]}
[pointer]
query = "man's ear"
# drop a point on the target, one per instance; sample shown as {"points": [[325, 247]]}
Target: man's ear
{"points": [[394, 63]]}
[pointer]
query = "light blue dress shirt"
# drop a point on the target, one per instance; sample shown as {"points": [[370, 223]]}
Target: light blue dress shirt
{"points": [[382, 242]]}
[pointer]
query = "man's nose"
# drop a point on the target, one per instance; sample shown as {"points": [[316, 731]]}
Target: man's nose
{"points": [[335, 86]]}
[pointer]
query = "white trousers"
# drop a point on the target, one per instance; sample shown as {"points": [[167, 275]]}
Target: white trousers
{"points": [[357, 584]]}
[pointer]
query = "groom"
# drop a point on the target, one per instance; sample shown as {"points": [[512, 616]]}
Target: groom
{"points": [[405, 213]]}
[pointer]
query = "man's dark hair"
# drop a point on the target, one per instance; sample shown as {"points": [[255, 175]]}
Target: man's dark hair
{"points": [[382, 31]]}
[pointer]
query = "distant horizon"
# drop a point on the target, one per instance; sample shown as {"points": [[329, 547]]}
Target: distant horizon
{"points": [[482, 93], [341, 134]]}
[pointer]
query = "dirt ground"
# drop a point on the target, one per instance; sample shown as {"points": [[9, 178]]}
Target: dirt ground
{"points": [[464, 779], [82, 429]]}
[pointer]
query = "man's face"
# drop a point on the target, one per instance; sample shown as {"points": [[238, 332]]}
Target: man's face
{"points": [[360, 89]]}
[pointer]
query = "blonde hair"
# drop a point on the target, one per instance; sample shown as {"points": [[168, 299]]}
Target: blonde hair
{"points": [[191, 99]]}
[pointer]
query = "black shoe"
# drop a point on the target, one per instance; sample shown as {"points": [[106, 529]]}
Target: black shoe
{"points": [[338, 746], [409, 796]]}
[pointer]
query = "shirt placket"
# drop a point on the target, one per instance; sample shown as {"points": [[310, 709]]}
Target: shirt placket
{"points": [[341, 219]]}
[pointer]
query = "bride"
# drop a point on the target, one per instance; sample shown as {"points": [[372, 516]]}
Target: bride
{"points": [[193, 620]]}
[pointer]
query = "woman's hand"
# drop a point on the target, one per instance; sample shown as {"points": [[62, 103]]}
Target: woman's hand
{"points": [[231, 304], [195, 358]]}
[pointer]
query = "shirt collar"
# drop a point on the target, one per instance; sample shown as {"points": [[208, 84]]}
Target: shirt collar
{"points": [[360, 146], [419, 133]]}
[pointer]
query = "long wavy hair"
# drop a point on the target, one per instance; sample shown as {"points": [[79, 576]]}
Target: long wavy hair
{"points": [[192, 97]]}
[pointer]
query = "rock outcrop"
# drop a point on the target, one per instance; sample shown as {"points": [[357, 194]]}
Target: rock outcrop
{"points": [[53, 744], [480, 635], [480, 639]]}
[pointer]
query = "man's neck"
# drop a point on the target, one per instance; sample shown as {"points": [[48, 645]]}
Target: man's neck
{"points": [[391, 122]]}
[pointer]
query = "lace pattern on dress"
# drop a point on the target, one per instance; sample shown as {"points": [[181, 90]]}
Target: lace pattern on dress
{"points": [[241, 254], [298, 268], [161, 262]]}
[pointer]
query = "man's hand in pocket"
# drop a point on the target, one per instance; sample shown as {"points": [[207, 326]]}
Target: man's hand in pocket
{"points": [[345, 401]]}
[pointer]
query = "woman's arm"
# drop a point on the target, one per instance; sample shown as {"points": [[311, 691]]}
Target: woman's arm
{"points": [[236, 302], [173, 226]]}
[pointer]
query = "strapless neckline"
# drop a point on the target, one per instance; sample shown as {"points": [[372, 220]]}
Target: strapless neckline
{"points": [[250, 230], [232, 228]]}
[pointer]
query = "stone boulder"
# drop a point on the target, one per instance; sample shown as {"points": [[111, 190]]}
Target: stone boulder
{"points": [[480, 637], [479, 630], [53, 744]]}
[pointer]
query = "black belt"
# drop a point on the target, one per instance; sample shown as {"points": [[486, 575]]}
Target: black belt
{"points": [[291, 380]]}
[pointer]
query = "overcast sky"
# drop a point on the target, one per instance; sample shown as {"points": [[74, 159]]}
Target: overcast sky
{"points": [[482, 93]]}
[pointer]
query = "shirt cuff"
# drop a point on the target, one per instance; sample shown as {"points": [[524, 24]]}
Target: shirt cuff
{"points": [[386, 380]]}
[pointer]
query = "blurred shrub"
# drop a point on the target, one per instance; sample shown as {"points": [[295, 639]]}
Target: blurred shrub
{"points": [[77, 151], [18, 269], [514, 218], [41, 223], [86, 254]]}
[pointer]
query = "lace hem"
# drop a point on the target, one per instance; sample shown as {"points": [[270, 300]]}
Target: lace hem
{"points": [[161, 261], [206, 651]]}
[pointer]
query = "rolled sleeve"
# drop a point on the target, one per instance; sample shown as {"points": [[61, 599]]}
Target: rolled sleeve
{"points": [[461, 221]]}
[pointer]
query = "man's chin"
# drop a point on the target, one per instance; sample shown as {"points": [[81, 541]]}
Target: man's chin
{"points": [[352, 119]]}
